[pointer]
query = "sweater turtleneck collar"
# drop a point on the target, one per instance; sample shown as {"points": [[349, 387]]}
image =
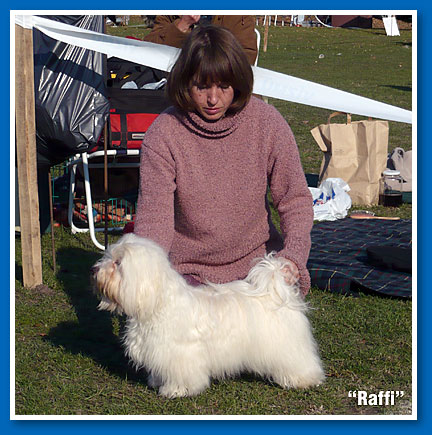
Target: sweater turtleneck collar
{"points": [[212, 130]]}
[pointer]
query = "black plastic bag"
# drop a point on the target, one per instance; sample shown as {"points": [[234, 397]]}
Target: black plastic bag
{"points": [[70, 93]]}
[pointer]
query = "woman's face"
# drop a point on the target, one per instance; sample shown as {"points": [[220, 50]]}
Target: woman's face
{"points": [[212, 101]]}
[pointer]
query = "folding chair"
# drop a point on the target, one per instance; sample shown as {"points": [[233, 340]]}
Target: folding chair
{"points": [[84, 159]]}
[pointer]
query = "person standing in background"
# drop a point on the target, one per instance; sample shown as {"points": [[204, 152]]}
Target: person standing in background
{"points": [[173, 30]]}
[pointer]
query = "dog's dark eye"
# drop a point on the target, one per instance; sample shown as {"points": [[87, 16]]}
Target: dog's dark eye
{"points": [[117, 262]]}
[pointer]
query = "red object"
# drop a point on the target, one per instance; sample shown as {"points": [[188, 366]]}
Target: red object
{"points": [[129, 227], [127, 129], [132, 112], [362, 21]]}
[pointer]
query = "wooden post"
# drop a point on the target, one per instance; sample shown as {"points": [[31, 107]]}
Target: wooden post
{"points": [[25, 130], [266, 30]]}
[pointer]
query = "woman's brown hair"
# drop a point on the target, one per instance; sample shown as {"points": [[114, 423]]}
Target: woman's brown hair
{"points": [[210, 55]]}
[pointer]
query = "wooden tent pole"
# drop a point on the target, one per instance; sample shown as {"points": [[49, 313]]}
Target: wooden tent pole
{"points": [[266, 31], [25, 128]]}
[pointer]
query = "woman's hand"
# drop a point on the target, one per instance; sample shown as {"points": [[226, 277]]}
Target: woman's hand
{"points": [[186, 21], [291, 272]]}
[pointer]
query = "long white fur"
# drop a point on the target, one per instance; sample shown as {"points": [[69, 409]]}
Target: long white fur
{"points": [[184, 336]]}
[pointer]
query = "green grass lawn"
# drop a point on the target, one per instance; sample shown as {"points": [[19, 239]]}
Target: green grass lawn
{"points": [[76, 362], [69, 360]]}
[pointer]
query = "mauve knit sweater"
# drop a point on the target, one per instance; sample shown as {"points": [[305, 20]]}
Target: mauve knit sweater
{"points": [[203, 187]]}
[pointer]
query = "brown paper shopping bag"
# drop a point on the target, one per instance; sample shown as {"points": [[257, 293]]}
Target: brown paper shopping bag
{"points": [[356, 152]]}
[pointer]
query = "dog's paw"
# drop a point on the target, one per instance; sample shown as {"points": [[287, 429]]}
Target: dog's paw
{"points": [[154, 381], [193, 389], [171, 391], [300, 381]]}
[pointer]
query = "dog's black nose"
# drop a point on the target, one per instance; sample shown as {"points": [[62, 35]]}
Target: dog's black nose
{"points": [[94, 270]]}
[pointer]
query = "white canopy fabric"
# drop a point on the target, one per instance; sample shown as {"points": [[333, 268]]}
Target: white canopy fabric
{"points": [[266, 82]]}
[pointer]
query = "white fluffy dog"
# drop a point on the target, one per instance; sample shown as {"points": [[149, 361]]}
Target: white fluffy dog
{"points": [[184, 336]]}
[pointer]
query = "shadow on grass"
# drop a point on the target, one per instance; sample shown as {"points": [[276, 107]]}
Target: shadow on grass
{"points": [[93, 335], [404, 43], [399, 88]]}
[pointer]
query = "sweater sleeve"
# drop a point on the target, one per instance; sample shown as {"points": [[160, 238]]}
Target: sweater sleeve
{"points": [[292, 199], [155, 209]]}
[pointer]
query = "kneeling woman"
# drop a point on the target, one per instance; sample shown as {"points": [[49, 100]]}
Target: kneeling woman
{"points": [[206, 165]]}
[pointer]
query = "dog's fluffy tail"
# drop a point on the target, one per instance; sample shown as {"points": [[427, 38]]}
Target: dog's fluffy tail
{"points": [[267, 279]]}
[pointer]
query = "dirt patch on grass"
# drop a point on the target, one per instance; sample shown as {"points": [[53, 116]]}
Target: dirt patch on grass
{"points": [[43, 290]]}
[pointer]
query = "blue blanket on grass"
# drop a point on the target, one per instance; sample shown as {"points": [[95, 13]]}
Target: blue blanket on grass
{"points": [[339, 262]]}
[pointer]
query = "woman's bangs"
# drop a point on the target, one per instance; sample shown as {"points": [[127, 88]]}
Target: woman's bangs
{"points": [[214, 70]]}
